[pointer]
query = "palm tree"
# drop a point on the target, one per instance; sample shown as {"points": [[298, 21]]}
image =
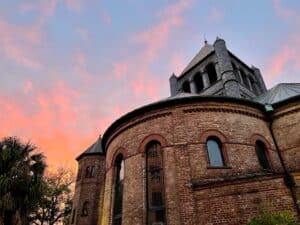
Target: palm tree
{"points": [[21, 174]]}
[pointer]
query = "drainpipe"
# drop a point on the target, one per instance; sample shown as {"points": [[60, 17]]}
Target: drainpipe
{"points": [[288, 178]]}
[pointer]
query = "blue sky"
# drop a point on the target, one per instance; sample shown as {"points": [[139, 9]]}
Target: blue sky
{"points": [[71, 67]]}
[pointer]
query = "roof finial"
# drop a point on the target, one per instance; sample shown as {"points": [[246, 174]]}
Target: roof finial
{"points": [[205, 41]]}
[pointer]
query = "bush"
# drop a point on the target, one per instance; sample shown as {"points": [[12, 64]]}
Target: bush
{"points": [[274, 218]]}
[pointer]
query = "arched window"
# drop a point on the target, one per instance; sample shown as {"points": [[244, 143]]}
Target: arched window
{"points": [[235, 72], [233, 66], [260, 149], [186, 87], [212, 74], [118, 199], [214, 150], [254, 85], [245, 79], [155, 184], [79, 174], [92, 171], [198, 81], [85, 209], [87, 171]]}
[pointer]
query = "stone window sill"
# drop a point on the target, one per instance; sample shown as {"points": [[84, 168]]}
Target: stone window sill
{"points": [[219, 167]]}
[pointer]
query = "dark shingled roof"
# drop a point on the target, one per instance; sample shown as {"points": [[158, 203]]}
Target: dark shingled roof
{"points": [[279, 93], [94, 149], [204, 51]]}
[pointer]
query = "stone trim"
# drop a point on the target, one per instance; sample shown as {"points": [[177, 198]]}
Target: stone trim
{"points": [[286, 113], [119, 151], [133, 124], [223, 139], [152, 137], [200, 184], [226, 110]]}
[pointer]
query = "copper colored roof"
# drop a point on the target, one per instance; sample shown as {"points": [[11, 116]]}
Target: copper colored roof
{"points": [[279, 93]]}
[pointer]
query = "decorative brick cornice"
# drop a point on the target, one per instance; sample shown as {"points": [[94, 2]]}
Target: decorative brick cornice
{"points": [[286, 113], [221, 181], [135, 123], [224, 110]]}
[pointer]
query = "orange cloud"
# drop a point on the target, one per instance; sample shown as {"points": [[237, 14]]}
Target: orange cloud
{"points": [[51, 119]]}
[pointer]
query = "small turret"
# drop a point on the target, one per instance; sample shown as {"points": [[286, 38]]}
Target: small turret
{"points": [[173, 84], [89, 185]]}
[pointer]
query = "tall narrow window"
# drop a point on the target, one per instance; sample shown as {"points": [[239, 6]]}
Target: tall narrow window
{"points": [[212, 74], [235, 72], [245, 79], [92, 171], [79, 174], [260, 149], [87, 171], [214, 150], [85, 209], [186, 87], [198, 81], [118, 200], [155, 184]]}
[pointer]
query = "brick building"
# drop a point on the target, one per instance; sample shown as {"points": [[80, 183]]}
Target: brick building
{"points": [[217, 151]]}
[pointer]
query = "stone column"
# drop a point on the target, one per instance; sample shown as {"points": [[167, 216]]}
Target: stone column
{"points": [[249, 82], [230, 83], [219, 74], [205, 80], [173, 84], [238, 72], [193, 85]]}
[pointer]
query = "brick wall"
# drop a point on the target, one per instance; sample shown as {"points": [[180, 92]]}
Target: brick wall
{"points": [[182, 132]]}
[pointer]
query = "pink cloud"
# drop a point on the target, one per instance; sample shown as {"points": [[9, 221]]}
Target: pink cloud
{"points": [[216, 14], [20, 44], [106, 17], [120, 69], [156, 37], [177, 64], [81, 67], [284, 12], [27, 87], [287, 57], [83, 34], [74, 5]]}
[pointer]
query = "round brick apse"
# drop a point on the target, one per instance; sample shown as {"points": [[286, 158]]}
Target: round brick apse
{"points": [[196, 190]]}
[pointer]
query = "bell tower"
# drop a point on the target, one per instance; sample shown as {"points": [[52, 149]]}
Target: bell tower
{"points": [[215, 71]]}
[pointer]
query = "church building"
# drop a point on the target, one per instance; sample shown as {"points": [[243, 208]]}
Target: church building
{"points": [[218, 151]]}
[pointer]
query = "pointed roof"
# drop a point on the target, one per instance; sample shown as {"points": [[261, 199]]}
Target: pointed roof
{"points": [[279, 93], [94, 149], [204, 51]]}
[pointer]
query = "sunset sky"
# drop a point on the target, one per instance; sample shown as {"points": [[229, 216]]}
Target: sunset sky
{"points": [[69, 68]]}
